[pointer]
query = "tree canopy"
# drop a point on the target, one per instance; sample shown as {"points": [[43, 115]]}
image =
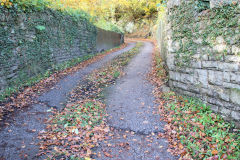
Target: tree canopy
{"points": [[103, 12]]}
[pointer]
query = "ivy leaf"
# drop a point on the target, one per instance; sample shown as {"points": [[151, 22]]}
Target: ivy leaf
{"points": [[40, 28]]}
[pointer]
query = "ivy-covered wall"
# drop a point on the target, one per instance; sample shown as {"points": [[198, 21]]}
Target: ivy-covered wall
{"points": [[33, 42], [203, 52]]}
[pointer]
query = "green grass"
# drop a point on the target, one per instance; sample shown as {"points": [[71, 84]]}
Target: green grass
{"points": [[204, 133], [81, 114]]}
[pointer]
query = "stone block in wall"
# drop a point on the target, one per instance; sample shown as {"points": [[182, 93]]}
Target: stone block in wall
{"points": [[207, 92], [187, 93], [170, 83], [215, 101], [235, 77], [225, 112], [194, 89], [186, 70], [170, 61], [235, 115], [232, 67], [217, 92], [203, 52], [187, 78], [196, 64], [182, 86], [214, 108], [235, 96], [224, 94], [174, 76], [215, 77], [231, 106], [232, 58], [231, 85], [205, 57], [210, 64], [174, 84], [201, 77], [220, 3], [226, 77]]}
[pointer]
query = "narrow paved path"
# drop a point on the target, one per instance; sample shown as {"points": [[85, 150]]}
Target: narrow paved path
{"points": [[133, 117], [19, 139]]}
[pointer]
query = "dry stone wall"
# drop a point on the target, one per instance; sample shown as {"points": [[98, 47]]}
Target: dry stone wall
{"points": [[203, 52]]}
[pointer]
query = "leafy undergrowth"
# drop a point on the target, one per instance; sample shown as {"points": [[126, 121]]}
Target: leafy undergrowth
{"points": [[74, 132], [204, 134], [26, 96], [192, 129]]}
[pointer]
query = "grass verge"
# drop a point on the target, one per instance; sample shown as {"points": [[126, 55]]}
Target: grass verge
{"points": [[74, 132], [204, 134]]}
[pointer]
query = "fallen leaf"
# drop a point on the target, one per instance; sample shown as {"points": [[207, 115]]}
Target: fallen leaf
{"points": [[107, 154], [214, 152]]}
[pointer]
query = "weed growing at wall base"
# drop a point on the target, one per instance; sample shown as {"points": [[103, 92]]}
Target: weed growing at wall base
{"points": [[193, 130], [204, 134]]}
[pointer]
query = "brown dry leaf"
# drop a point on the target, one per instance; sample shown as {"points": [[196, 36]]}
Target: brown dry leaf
{"points": [[214, 152], [180, 146], [107, 154]]}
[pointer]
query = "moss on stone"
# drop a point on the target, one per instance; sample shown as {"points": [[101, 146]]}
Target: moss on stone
{"points": [[189, 23]]}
